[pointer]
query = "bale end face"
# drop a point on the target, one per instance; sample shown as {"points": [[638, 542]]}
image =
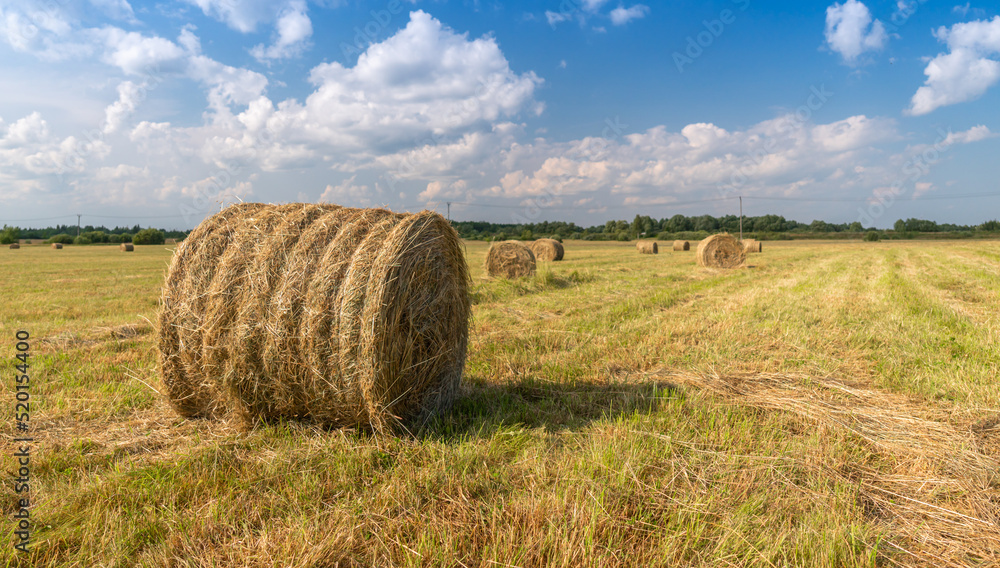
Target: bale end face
{"points": [[720, 251], [509, 259], [549, 250]]}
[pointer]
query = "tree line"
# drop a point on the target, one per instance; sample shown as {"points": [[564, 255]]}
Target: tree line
{"points": [[700, 226], [642, 226], [71, 234]]}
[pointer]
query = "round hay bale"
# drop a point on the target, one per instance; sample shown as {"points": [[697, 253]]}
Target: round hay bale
{"points": [[126, 247], [720, 251], [15, 246], [682, 245], [347, 317], [57, 245], [752, 245], [547, 249], [509, 259], [647, 247]]}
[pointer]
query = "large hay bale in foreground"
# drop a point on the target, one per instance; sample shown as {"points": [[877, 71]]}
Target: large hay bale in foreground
{"points": [[720, 251], [647, 247], [547, 249], [342, 316], [682, 245], [15, 246], [752, 245], [509, 259], [126, 247], [57, 245]]}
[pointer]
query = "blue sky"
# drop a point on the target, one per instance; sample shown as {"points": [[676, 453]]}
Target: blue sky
{"points": [[577, 110]]}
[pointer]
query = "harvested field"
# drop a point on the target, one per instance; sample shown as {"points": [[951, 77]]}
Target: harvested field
{"points": [[834, 404]]}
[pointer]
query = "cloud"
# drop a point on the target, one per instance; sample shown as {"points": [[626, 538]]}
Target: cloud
{"points": [[129, 97], [293, 29], [961, 10], [621, 15], [347, 193], [583, 10], [782, 156], [136, 54], [974, 134], [116, 9], [965, 72], [241, 15], [426, 83], [292, 26], [227, 85], [554, 18], [851, 32]]}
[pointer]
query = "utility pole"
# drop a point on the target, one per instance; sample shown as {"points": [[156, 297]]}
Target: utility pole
{"points": [[78, 224], [741, 218], [449, 211]]}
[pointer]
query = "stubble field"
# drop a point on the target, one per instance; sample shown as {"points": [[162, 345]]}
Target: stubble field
{"points": [[831, 404]]}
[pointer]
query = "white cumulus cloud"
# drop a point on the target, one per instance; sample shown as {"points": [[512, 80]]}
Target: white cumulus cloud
{"points": [[851, 32], [964, 73]]}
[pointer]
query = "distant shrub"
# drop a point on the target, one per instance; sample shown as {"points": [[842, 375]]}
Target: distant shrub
{"points": [[62, 238], [82, 240], [95, 236], [871, 236], [148, 237]]}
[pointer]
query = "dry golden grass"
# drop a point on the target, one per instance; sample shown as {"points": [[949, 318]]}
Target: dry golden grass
{"points": [[832, 404]]}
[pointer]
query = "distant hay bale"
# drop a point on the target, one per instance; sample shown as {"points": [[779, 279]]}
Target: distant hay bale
{"points": [[509, 259], [682, 245], [126, 247], [720, 251], [347, 317], [547, 250], [647, 247], [752, 245], [57, 245], [15, 246]]}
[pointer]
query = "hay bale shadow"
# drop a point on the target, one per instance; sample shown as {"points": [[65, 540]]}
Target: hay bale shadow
{"points": [[483, 408]]}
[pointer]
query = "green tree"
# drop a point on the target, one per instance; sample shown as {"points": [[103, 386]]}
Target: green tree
{"points": [[678, 223], [148, 237], [9, 235]]}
